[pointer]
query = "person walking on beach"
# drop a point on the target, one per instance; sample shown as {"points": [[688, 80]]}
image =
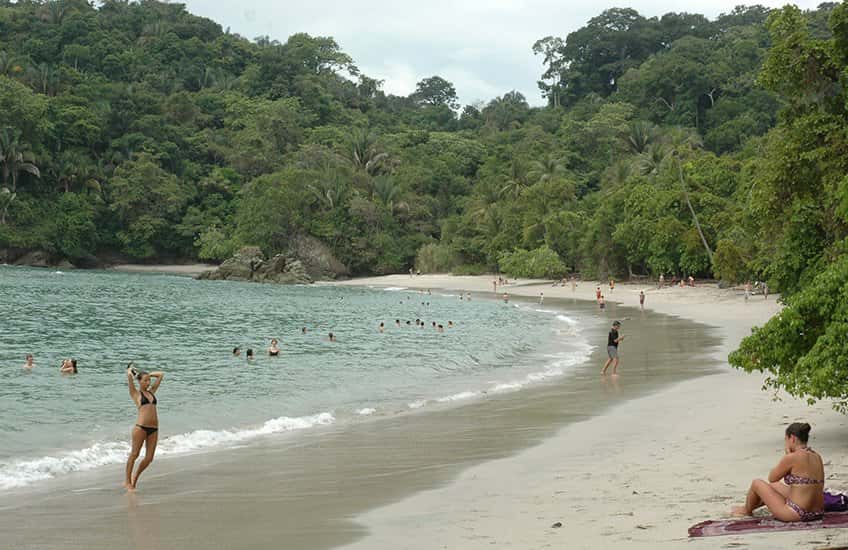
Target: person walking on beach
{"points": [[598, 293], [662, 280], [146, 429], [612, 285], [613, 339], [29, 362], [573, 284], [747, 290], [642, 300], [765, 290]]}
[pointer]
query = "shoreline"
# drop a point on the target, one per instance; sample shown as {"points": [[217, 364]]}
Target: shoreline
{"points": [[305, 488], [638, 475], [170, 269]]}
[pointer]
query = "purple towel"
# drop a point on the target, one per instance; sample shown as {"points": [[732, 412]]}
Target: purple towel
{"points": [[714, 528]]}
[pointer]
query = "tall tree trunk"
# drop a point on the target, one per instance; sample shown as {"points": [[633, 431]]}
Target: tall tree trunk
{"points": [[694, 216]]}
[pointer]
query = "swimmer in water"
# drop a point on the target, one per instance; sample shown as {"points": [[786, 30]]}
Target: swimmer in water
{"points": [[236, 351], [29, 361], [450, 324], [69, 366], [506, 298], [434, 324], [303, 330], [397, 321], [273, 351], [331, 337], [441, 328], [468, 297], [146, 429], [382, 327], [249, 354]]}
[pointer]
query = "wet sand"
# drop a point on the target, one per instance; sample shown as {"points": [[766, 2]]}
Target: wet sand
{"points": [[188, 270], [304, 490]]}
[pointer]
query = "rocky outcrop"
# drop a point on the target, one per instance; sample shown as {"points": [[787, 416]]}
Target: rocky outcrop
{"points": [[249, 264], [36, 258], [317, 259]]}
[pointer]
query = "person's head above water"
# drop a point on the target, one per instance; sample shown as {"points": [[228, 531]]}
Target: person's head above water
{"points": [[236, 351], [797, 434], [303, 330], [249, 353], [273, 341]]}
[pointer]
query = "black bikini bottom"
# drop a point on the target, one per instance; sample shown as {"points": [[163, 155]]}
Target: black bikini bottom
{"points": [[150, 431]]}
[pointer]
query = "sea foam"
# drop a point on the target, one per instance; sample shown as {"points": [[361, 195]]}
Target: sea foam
{"points": [[19, 473]]}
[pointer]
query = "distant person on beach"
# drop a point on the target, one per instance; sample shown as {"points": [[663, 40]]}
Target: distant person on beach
{"points": [[598, 293], [411, 273], [146, 429], [573, 284], [765, 290], [602, 303], [642, 300], [69, 366], [29, 361], [249, 354], [612, 285], [236, 351], [662, 280], [747, 290], [541, 298], [613, 339], [692, 281], [795, 487], [495, 286], [273, 351]]}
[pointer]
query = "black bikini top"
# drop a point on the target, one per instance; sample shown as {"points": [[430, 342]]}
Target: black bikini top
{"points": [[145, 401]]}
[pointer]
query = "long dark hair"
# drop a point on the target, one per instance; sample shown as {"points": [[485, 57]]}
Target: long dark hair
{"points": [[801, 430]]}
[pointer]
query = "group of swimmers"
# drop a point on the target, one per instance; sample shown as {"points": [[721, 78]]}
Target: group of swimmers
{"points": [[68, 366]]}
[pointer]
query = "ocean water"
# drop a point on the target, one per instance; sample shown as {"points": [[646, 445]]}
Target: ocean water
{"points": [[55, 425]]}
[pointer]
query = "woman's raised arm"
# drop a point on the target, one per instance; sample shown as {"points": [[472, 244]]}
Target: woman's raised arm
{"points": [[131, 384], [158, 376]]}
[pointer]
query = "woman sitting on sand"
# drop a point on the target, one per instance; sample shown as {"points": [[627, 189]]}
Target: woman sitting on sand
{"points": [[274, 351], [795, 487], [146, 429]]}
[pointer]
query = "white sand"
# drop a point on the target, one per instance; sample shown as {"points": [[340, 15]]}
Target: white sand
{"points": [[638, 476]]}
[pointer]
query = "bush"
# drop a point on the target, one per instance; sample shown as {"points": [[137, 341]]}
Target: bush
{"points": [[728, 262], [539, 263], [214, 245], [435, 258]]}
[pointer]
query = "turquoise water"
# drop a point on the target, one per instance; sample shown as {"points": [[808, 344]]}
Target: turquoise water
{"points": [[53, 424]]}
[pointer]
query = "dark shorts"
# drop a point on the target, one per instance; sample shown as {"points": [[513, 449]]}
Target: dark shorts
{"points": [[612, 351]]}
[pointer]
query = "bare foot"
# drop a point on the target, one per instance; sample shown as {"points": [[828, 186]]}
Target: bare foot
{"points": [[615, 375], [129, 487], [739, 512]]}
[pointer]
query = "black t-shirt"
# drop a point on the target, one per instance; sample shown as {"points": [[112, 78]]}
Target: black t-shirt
{"points": [[611, 339]]}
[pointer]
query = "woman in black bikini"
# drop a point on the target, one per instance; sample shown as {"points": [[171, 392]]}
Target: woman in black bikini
{"points": [[145, 431], [795, 487]]}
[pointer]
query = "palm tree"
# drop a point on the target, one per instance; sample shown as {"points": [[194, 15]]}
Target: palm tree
{"points": [[677, 145], [6, 200], [54, 11], [72, 169], [44, 78], [639, 135], [549, 168], [8, 64], [387, 192], [14, 159], [363, 153], [329, 188], [517, 179]]}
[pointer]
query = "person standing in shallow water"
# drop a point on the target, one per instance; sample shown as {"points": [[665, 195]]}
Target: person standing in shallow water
{"points": [[29, 362], [642, 300], [146, 430], [613, 339]]}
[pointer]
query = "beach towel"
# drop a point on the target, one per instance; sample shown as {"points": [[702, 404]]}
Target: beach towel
{"points": [[712, 528]]}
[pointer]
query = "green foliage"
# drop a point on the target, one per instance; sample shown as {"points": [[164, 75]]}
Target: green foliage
{"points": [[539, 263], [805, 347]]}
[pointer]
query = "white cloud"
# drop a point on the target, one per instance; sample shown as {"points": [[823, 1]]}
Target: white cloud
{"points": [[482, 46]]}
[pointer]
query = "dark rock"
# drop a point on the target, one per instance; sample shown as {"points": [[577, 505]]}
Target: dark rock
{"points": [[248, 264], [36, 258], [556, 525], [65, 264], [317, 259]]}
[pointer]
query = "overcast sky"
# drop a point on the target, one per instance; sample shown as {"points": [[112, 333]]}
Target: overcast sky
{"points": [[482, 46]]}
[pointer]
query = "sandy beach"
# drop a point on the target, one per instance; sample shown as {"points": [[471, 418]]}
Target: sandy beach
{"points": [[638, 475]]}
